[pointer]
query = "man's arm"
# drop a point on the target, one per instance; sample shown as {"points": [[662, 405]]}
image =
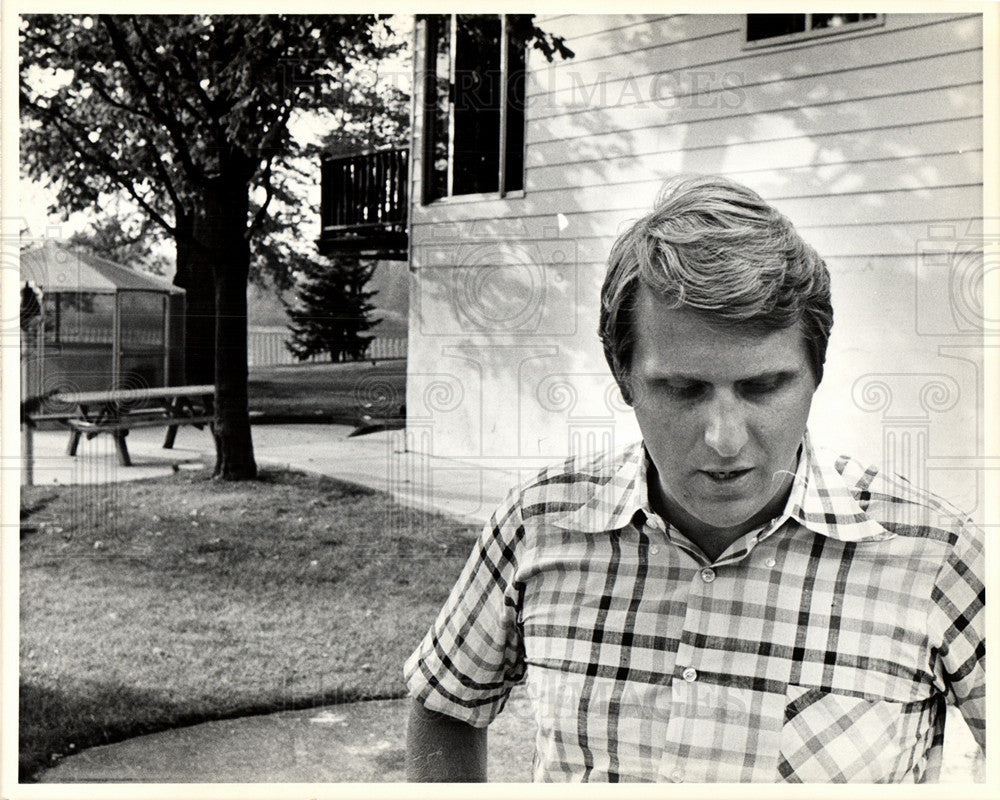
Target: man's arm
{"points": [[958, 621], [442, 749]]}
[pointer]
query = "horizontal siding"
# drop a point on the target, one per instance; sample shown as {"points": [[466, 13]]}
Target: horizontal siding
{"points": [[955, 151], [897, 205], [605, 162], [925, 57], [607, 206], [915, 236], [871, 143], [540, 307], [915, 131], [856, 240], [736, 104], [621, 60], [597, 36], [900, 142]]}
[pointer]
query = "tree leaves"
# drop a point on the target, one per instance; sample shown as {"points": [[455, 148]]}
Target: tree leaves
{"points": [[150, 105]]}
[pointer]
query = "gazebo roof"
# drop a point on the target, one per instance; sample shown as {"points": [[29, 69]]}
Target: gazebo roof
{"points": [[56, 267]]}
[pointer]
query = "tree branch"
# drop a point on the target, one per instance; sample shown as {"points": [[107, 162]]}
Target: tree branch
{"points": [[267, 147], [165, 177], [261, 212], [258, 217], [168, 70], [95, 84], [215, 108], [85, 149], [168, 121]]}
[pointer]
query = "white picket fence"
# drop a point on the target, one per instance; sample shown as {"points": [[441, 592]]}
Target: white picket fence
{"points": [[266, 348]]}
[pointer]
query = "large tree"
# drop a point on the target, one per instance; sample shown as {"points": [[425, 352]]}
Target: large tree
{"points": [[189, 116]]}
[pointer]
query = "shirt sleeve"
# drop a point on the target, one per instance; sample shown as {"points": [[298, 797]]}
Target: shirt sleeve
{"points": [[958, 622], [474, 653]]}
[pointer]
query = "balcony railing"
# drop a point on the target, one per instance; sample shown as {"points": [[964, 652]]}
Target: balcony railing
{"points": [[364, 204]]}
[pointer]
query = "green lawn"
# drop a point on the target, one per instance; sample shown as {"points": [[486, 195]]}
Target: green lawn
{"points": [[152, 604]]}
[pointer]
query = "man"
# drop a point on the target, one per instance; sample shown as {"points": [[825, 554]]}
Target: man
{"points": [[720, 602]]}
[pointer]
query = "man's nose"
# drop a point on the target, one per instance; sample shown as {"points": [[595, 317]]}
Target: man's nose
{"points": [[726, 427]]}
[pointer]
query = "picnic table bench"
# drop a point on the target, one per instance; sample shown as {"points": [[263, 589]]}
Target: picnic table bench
{"points": [[117, 411]]}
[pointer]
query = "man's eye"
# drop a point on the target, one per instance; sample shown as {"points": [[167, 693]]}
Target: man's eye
{"points": [[761, 387], [685, 391]]}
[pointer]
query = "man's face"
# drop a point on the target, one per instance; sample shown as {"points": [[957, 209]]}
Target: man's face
{"points": [[722, 413]]}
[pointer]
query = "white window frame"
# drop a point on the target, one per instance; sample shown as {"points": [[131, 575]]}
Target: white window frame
{"points": [[451, 197]]}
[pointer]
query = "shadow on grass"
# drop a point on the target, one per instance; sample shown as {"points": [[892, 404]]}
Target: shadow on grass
{"points": [[85, 720]]}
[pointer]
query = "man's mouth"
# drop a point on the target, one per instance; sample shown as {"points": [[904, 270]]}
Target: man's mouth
{"points": [[725, 475]]}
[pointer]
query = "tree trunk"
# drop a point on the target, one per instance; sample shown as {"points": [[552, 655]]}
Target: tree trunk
{"points": [[194, 275], [223, 236]]}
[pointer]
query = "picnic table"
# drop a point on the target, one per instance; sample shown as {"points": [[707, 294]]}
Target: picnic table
{"points": [[119, 410]]}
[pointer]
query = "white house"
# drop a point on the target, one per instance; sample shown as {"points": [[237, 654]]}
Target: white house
{"points": [[865, 129]]}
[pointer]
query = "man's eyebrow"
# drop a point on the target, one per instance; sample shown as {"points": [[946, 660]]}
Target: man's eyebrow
{"points": [[771, 374], [774, 374]]}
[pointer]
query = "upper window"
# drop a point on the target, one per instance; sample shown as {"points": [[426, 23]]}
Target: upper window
{"points": [[779, 28], [474, 106]]}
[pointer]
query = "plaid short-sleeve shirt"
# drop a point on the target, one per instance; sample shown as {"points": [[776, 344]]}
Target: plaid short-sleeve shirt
{"points": [[821, 647]]}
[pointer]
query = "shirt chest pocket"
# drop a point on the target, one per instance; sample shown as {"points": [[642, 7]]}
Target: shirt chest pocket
{"points": [[830, 737]]}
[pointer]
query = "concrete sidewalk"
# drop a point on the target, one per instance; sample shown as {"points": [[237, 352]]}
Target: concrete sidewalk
{"points": [[385, 460], [354, 742]]}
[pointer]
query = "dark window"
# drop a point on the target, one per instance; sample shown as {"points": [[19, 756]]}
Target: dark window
{"points": [[772, 26], [474, 117], [766, 26]]}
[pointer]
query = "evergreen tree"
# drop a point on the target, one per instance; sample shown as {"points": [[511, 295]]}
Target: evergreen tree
{"points": [[332, 310]]}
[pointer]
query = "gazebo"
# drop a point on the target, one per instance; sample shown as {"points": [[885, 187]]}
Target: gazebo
{"points": [[88, 324]]}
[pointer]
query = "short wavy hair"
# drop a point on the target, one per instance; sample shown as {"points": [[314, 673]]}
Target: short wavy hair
{"points": [[715, 248]]}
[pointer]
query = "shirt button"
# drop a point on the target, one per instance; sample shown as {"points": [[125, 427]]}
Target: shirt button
{"points": [[677, 776], [708, 575], [690, 674], [770, 562], [654, 549]]}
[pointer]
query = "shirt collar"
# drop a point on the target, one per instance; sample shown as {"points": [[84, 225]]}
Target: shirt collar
{"points": [[825, 502], [820, 499], [614, 503]]}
